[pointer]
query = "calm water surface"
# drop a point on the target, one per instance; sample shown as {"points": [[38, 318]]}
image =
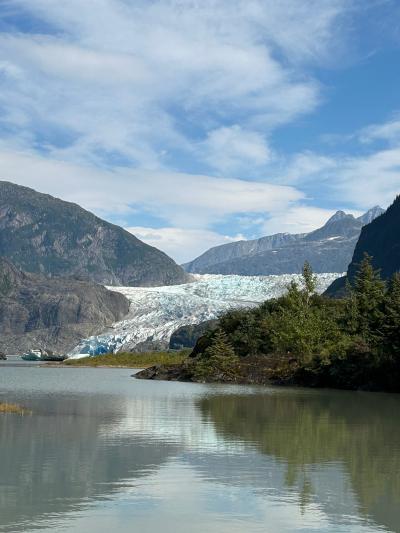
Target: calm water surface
{"points": [[105, 452]]}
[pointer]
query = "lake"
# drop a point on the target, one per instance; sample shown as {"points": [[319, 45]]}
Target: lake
{"points": [[104, 452]]}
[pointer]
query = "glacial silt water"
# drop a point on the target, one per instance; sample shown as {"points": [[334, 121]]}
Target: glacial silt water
{"points": [[104, 452]]}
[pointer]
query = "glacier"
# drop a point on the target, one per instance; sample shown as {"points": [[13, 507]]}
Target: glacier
{"points": [[156, 312]]}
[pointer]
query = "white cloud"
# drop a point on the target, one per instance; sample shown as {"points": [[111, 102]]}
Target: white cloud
{"points": [[183, 200], [180, 243], [387, 131], [305, 166], [358, 181], [147, 79], [297, 219], [369, 180], [234, 150]]}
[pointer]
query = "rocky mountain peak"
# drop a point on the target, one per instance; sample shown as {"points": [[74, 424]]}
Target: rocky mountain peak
{"points": [[328, 249], [339, 215], [371, 214]]}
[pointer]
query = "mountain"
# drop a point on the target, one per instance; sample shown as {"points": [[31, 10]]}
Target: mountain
{"points": [[328, 249], [52, 313], [42, 234], [371, 214], [381, 240], [234, 250]]}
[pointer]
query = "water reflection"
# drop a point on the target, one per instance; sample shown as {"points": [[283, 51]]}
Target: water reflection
{"points": [[311, 432], [57, 461], [103, 451]]}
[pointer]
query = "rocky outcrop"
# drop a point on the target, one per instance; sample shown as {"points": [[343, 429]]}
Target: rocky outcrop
{"points": [[42, 234], [327, 249], [165, 373], [187, 336], [52, 314]]}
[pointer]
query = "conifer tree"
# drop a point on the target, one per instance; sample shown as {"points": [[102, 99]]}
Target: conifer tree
{"points": [[351, 315], [391, 327], [218, 361], [369, 292]]}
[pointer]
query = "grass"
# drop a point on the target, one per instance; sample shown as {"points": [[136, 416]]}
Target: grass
{"points": [[13, 408], [131, 360]]}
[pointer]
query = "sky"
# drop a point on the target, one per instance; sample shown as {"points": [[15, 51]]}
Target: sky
{"points": [[194, 123]]}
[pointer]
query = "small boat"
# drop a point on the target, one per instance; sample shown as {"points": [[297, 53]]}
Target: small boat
{"points": [[42, 355], [32, 355]]}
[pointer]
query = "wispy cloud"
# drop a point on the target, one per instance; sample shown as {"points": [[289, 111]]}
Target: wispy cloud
{"points": [[181, 243], [369, 178], [145, 80], [184, 200], [233, 150], [387, 131]]}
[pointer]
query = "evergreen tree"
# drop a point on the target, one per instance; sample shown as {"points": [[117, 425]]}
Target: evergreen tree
{"points": [[219, 360], [351, 314], [391, 327], [303, 324], [246, 337], [369, 294]]}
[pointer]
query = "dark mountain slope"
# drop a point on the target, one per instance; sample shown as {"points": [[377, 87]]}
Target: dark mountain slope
{"points": [[53, 313], [381, 240], [42, 234]]}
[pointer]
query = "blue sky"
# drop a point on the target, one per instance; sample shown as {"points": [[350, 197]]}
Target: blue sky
{"points": [[197, 123]]}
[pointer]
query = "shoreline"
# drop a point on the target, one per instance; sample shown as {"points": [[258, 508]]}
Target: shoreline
{"points": [[270, 370], [133, 360], [63, 365], [253, 373]]}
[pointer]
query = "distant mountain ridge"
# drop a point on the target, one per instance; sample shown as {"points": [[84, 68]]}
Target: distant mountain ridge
{"points": [[42, 234], [381, 240], [328, 249]]}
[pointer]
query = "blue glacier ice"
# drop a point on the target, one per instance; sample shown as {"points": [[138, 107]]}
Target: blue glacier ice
{"points": [[101, 344], [156, 312]]}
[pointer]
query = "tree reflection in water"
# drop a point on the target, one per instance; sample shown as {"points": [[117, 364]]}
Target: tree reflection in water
{"points": [[356, 432]]}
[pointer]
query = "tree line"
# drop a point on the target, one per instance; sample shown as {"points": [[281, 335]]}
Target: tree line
{"points": [[351, 342]]}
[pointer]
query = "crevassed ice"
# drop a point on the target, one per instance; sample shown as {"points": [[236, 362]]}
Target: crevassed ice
{"points": [[156, 312]]}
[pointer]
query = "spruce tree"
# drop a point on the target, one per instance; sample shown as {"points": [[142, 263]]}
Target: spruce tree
{"points": [[351, 314], [369, 293], [219, 360], [391, 327]]}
